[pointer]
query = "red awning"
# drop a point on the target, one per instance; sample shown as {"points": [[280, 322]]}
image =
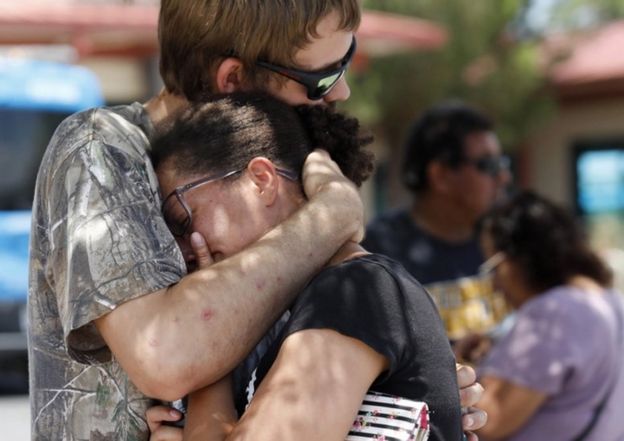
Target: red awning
{"points": [[382, 32], [92, 29], [591, 63], [130, 29]]}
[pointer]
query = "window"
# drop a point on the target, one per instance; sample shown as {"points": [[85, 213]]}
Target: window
{"points": [[599, 172]]}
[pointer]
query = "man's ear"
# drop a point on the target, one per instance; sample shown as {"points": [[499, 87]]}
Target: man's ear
{"points": [[264, 176], [438, 176], [229, 76]]}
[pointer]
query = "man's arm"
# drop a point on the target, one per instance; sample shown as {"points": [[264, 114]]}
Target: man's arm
{"points": [[189, 335]]}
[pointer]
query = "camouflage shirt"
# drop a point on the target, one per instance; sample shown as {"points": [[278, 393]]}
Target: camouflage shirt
{"points": [[97, 240]]}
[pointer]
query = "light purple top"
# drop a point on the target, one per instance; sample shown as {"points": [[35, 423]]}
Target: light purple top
{"points": [[565, 343]]}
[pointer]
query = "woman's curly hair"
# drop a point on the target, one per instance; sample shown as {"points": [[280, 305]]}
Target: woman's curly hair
{"points": [[545, 240], [227, 131], [343, 139]]}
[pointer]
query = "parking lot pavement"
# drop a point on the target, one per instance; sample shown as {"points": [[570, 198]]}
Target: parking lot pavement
{"points": [[14, 418]]}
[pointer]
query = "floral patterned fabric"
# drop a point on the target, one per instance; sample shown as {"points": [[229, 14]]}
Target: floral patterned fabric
{"points": [[97, 240], [384, 417]]}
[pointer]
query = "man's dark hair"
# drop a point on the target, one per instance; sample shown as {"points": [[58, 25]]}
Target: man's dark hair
{"points": [[228, 131], [439, 135]]}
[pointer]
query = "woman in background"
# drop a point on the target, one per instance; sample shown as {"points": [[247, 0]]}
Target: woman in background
{"points": [[558, 373]]}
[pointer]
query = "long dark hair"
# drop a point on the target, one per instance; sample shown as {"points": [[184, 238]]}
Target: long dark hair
{"points": [[228, 131], [545, 240]]}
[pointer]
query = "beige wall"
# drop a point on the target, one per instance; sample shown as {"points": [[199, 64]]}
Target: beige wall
{"points": [[549, 169], [123, 79], [548, 155]]}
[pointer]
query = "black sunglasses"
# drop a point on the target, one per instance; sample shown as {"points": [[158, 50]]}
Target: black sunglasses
{"points": [[489, 165], [180, 223], [319, 83]]}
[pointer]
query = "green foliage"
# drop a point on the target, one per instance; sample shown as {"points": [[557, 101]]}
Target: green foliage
{"points": [[482, 63]]}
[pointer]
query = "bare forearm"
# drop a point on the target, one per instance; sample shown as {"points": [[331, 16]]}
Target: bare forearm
{"points": [[509, 407], [178, 340], [211, 415]]}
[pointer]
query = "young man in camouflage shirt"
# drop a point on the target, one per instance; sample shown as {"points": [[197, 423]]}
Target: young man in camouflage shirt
{"points": [[114, 318]]}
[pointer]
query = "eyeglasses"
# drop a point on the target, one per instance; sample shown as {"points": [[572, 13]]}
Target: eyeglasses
{"points": [[179, 221], [490, 265], [318, 83], [489, 165]]}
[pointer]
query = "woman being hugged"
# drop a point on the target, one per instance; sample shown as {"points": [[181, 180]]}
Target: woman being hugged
{"points": [[230, 169]]}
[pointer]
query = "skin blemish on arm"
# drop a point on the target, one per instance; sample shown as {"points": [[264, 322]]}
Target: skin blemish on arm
{"points": [[260, 285], [207, 314], [153, 342]]}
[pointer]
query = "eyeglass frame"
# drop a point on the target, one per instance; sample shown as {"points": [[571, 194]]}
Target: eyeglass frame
{"points": [[489, 165], [311, 79], [179, 191], [490, 265]]}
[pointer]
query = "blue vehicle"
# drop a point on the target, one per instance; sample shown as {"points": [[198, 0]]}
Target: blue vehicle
{"points": [[35, 96]]}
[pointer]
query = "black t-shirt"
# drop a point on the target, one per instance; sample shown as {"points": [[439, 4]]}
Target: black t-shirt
{"points": [[449, 271], [376, 301], [426, 257]]}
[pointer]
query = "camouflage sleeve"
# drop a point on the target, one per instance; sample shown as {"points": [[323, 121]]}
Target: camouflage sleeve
{"points": [[108, 241]]}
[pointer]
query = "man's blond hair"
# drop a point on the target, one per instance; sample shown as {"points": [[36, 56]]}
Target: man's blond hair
{"points": [[196, 35]]}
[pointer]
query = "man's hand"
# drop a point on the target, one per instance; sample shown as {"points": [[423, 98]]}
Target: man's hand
{"points": [[470, 392], [322, 177], [156, 417]]}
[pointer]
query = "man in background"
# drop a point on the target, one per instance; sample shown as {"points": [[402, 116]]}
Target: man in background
{"points": [[454, 169]]}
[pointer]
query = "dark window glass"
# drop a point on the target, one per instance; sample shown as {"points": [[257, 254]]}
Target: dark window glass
{"points": [[24, 135]]}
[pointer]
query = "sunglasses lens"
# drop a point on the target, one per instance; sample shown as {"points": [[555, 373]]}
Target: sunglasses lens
{"points": [[488, 166], [317, 84], [324, 86], [492, 166]]}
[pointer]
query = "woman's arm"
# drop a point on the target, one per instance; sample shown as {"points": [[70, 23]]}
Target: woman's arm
{"points": [[211, 414], [313, 391], [212, 408], [509, 406]]}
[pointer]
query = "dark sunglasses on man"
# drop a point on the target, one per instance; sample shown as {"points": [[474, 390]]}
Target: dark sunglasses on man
{"points": [[489, 165], [317, 83]]}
